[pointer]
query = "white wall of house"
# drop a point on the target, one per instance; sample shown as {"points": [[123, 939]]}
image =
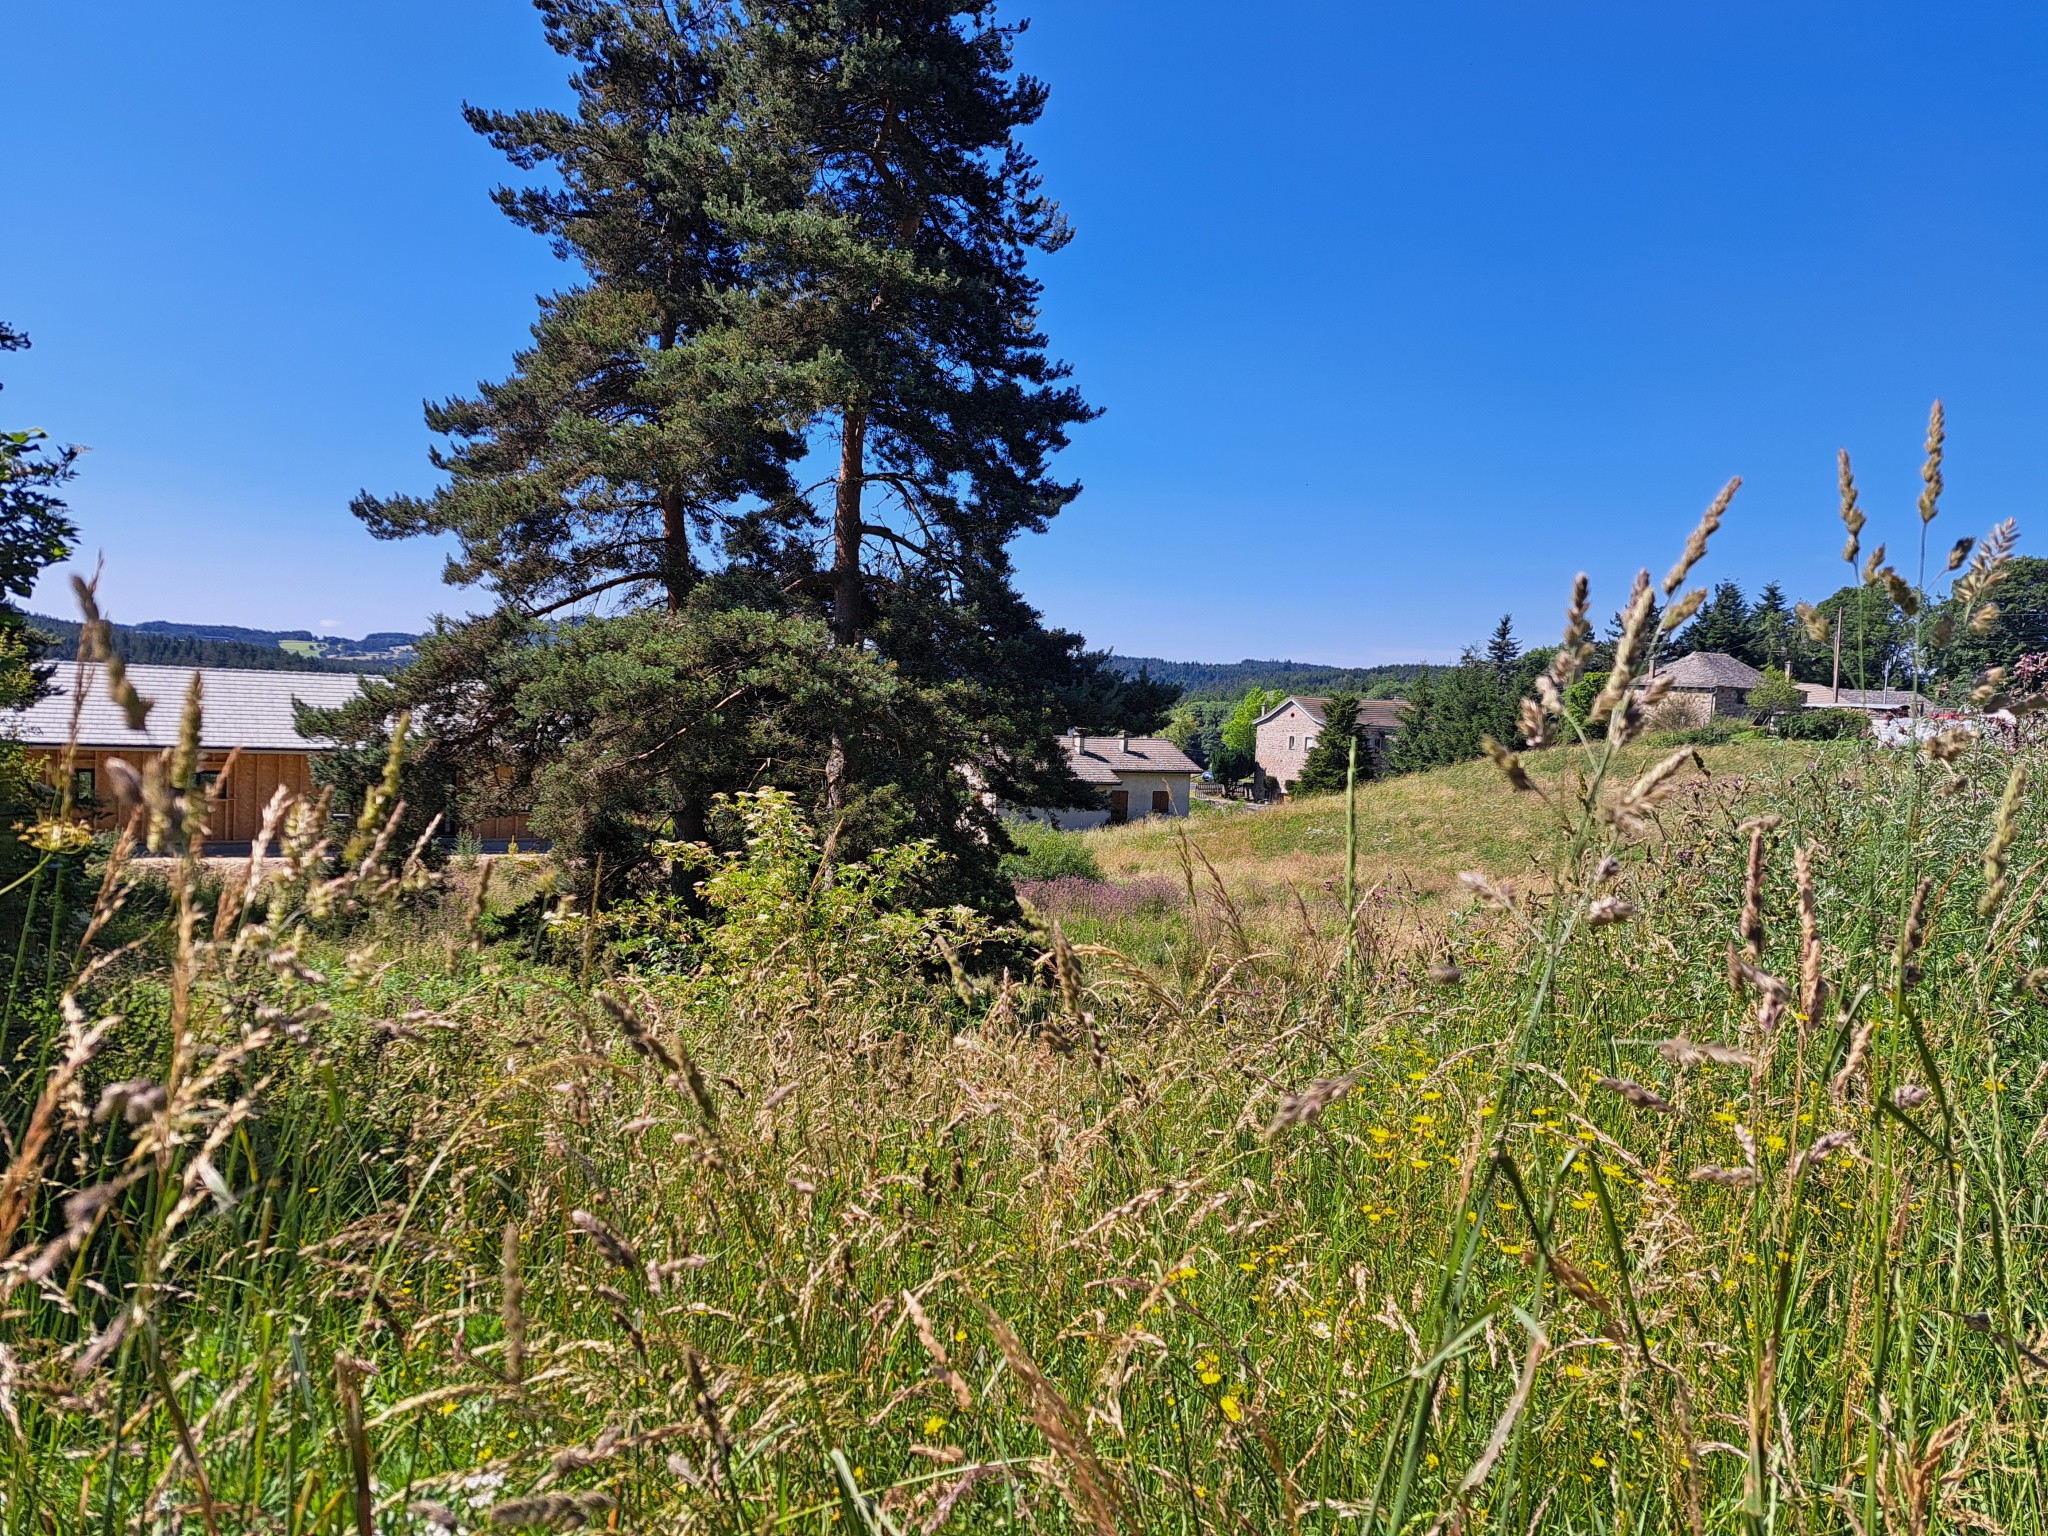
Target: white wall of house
{"points": [[1141, 787]]}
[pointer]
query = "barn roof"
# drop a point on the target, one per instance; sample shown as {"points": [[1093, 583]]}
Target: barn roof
{"points": [[248, 709], [1385, 714], [1106, 759], [1710, 669]]}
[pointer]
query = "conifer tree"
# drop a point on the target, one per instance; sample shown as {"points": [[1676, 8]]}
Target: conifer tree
{"points": [[796, 223], [1724, 625], [1327, 767], [1448, 714], [1503, 650], [1774, 630]]}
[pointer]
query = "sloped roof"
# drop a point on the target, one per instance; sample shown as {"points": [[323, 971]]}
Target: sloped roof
{"points": [[1381, 714], [1710, 669], [247, 709], [1106, 759], [1822, 696]]}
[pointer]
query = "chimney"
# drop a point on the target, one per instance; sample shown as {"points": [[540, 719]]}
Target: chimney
{"points": [[1123, 741]]}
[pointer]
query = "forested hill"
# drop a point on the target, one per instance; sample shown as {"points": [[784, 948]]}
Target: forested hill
{"points": [[152, 646], [1229, 679]]}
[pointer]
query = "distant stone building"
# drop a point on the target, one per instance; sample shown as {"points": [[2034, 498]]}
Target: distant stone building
{"points": [[1704, 684], [1138, 776], [1286, 733]]}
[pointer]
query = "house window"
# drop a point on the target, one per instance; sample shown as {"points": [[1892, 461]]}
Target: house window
{"points": [[1290, 743], [209, 784], [1119, 807], [1309, 742], [84, 787], [1162, 802]]}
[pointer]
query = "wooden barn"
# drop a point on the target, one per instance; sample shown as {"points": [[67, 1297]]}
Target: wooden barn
{"points": [[251, 710]]}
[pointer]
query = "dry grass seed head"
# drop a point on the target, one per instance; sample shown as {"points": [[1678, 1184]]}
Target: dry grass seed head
{"points": [[1696, 542], [1930, 472], [1636, 1094], [2003, 831], [1090, 1487], [1852, 515]]}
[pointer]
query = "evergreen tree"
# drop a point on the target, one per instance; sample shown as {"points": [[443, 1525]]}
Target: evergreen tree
{"points": [[1724, 625], [1448, 716], [1774, 630], [1328, 765], [797, 223], [1652, 643], [1502, 650]]}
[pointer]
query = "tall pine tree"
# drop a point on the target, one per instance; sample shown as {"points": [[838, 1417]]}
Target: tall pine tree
{"points": [[802, 231], [894, 268]]}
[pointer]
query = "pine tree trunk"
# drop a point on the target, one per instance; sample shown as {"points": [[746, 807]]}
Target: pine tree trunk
{"points": [[846, 582], [675, 549]]}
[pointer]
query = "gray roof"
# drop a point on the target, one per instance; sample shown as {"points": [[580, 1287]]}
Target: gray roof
{"points": [[246, 709], [1710, 669], [1822, 696], [1382, 714], [1106, 759]]}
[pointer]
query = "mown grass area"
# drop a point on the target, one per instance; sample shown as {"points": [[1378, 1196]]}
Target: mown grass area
{"points": [[1702, 1190]]}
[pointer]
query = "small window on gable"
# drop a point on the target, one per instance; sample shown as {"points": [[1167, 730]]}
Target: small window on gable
{"points": [[1290, 743], [1309, 742]]}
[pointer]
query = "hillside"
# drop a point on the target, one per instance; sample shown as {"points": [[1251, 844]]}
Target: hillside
{"points": [[1229, 679], [1416, 831], [158, 643]]}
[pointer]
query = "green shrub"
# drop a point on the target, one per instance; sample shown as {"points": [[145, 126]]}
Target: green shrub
{"points": [[1047, 853], [1824, 725]]}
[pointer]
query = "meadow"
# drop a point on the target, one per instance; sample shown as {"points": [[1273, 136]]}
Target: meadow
{"points": [[1694, 1186]]}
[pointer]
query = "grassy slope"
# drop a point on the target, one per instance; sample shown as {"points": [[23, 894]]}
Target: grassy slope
{"points": [[1419, 830]]}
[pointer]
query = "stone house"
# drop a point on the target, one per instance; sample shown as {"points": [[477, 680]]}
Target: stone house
{"points": [[1286, 733], [1137, 776], [1704, 684]]}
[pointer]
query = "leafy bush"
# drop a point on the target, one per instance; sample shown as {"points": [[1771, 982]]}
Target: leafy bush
{"points": [[1047, 853], [1775, 694], [1824, 725]]}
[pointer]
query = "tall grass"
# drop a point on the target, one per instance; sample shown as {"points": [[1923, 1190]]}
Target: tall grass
{"points": [[1695, 1185]]}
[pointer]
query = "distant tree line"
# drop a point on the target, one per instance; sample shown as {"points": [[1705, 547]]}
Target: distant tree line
{"points": [[143, 647], [1228, 681]]}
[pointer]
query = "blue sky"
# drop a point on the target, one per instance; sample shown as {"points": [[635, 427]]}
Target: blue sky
{"points": [[1400, 314]]}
